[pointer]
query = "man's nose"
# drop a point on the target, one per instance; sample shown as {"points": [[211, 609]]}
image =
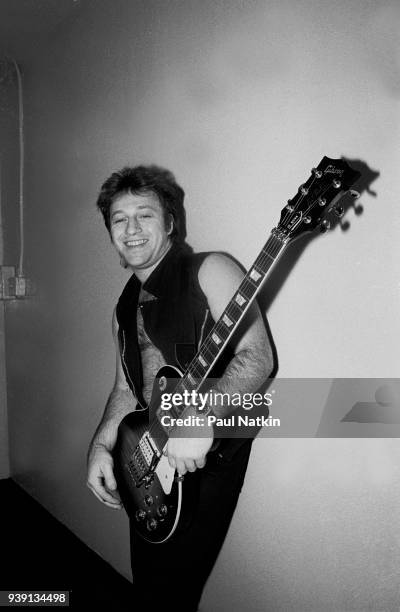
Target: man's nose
{"points": [[133, 226]]}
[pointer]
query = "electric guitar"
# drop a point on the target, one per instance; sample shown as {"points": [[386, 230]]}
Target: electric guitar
{"points": [[154, 495]]}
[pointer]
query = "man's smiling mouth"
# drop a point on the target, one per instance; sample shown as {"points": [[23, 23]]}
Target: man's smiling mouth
{"points": [[135, 243]]}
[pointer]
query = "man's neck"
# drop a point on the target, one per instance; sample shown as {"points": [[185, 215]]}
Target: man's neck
{"points": [[142, 274]]}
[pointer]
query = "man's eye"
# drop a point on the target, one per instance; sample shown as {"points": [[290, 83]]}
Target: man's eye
{"points": [[147, 216], [118, 220]]}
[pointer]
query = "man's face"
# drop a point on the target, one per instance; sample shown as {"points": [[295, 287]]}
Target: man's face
{"points": [[138, 231]]}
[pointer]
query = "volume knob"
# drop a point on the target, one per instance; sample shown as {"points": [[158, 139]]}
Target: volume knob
{"points": [[162, 510], [151, 524], [148, 500], [140, 515]]}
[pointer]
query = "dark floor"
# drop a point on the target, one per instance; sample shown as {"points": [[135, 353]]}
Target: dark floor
{"points": [[39, 553]]}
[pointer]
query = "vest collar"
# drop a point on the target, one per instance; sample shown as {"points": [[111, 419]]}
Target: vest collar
{"points": [[159, 283]]}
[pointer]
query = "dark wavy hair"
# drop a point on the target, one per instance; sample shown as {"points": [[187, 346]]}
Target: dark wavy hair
{"points": [[142, 180]]}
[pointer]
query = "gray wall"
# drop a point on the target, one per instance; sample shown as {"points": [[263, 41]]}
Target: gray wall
{"points": [[9, 240], [240, 99]]}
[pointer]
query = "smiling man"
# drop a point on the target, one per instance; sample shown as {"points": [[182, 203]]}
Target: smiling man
{"points": [[167, 307]]}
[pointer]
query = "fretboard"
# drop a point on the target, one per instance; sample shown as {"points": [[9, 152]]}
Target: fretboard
{"points": [[215, 342]]}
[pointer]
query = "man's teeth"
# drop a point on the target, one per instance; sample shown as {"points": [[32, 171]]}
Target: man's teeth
{"points": [[135, 242]]}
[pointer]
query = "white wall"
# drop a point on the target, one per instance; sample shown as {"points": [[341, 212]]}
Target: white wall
{"points": [[240, 99]]}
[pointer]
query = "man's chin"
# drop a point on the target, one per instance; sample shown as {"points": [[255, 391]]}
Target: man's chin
{"points": [[137, 263]]}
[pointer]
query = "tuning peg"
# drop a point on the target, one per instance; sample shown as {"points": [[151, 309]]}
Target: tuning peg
{"points": [[355, 194], [325, 225], [339, 211], [316, 172]]}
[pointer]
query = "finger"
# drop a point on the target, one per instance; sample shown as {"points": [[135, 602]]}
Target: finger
{"points": [[115, 495], [190, 465], [108, 500], [172, 461], [109, 477], [200, 463], [97, 486], [181, 467]]}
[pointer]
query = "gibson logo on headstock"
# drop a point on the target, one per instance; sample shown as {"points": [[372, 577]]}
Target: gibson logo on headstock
{"points": [[332, 170]]}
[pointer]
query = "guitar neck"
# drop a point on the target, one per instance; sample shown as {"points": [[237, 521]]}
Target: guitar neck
{"points": [[215, 342]]}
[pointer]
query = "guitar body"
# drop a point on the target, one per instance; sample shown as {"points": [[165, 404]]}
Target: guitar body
{"points": [[151, 491]]}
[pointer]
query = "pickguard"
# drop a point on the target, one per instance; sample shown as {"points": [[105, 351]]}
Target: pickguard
{"points": [[165, 474]]}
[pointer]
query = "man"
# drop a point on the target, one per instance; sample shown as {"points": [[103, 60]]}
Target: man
{"points": [[168, 306]]}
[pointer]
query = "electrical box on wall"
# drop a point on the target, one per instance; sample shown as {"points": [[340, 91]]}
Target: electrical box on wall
{"points": [[13, 286]]}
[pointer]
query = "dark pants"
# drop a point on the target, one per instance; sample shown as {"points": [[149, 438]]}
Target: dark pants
{"points": [[172, 575]]}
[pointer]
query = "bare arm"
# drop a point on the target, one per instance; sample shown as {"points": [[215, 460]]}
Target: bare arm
{"points": [[219, 277], [100, 478]]}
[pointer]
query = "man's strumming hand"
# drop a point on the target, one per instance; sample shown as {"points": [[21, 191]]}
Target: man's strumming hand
{"points": [[185, 451]]}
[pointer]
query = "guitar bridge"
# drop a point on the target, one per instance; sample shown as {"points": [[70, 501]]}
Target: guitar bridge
{"points": [[144, 461]]}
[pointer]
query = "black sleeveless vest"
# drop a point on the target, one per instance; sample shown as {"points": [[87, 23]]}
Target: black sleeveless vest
{"points": [[176, 321]]}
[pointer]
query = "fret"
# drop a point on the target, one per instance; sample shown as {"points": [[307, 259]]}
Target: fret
{"points": [[191, 379], [233, 311], [202, 360], [228, 322], [240, 300], [215, 338], [222, 333], [268, 254], [255, 275], [247, 289], [182, 383], [196, 370], [207, 347], [264, 265], [181, 388], [252, 284]]}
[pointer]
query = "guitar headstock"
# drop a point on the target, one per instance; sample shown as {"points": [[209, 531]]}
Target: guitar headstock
{"points": [[316, 199]]}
